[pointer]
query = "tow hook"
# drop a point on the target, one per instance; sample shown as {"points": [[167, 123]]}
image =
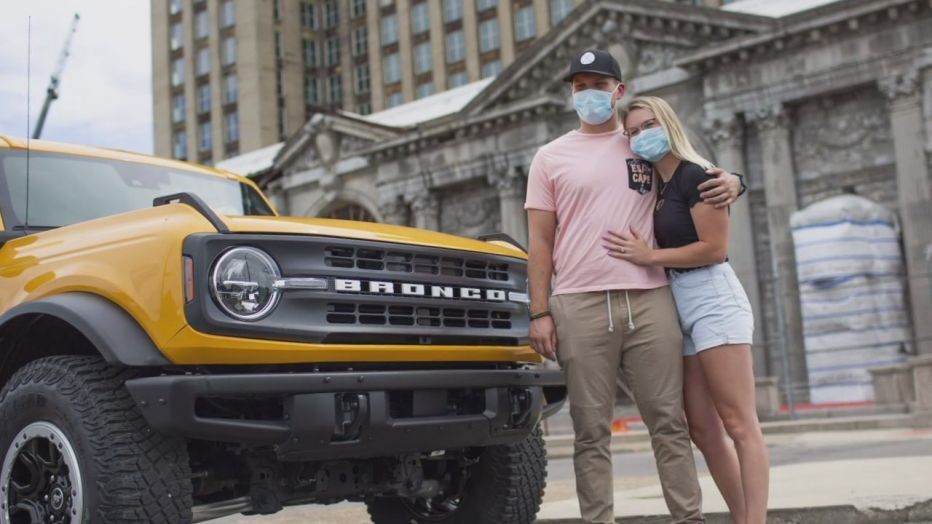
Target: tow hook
{"points": [[351, 411], [520, 406]]}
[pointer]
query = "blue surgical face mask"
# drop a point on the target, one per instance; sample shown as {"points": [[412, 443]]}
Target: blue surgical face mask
{"points": [[651, 144], [594, 106]]}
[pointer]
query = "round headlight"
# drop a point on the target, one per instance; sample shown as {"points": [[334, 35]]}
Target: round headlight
{"points": [[243, 283]]}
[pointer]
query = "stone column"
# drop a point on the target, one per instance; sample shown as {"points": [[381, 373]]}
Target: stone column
{"points": [[394, 212], [913, 196], [426, 208], [780, 193], [728, 136], [510, 186]]}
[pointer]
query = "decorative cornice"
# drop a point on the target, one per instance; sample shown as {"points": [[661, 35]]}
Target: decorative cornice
{"points": [[807, 27], [899, 85]]}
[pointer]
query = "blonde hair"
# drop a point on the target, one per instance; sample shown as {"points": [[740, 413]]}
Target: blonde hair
{"points": [[666, 117]]}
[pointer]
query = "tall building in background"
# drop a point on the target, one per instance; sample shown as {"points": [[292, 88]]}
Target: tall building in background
{"points": [[233, 76]]}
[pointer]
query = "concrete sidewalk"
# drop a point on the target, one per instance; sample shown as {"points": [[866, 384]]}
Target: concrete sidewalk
{"points": [[561, 445], [885, 489]]}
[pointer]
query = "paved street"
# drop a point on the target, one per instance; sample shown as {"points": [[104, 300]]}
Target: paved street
{"points": [[880, 468]]}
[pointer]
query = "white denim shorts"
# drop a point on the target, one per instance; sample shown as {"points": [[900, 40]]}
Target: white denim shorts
{"points": [[713, 308]]}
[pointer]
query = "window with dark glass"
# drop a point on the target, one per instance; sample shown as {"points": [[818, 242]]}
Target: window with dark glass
{"points": [[360, 41], [362, 78], [331, 14], [525, 23], [423, 58], [309, 15], [203, 61], [357, 8], [559, 9], [232, 126], [201, 24], [456, 47], [230, 89], [336, 90], [205, 142], [389, 29], [180, 145], [452, 10], [333, 51], [203, 99], [178, 109], [420, 18], [391, 66], [227, 13], [489, 35], [310, 53], [177, 37]]}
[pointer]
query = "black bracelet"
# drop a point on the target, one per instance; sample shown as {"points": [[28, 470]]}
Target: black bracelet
{"points": [[744, 186], [542, 314]]}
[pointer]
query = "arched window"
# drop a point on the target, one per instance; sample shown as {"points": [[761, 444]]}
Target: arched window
{"points": [[349, 211]]}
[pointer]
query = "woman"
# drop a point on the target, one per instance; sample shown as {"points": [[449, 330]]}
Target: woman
{"points": [[713, 308]]}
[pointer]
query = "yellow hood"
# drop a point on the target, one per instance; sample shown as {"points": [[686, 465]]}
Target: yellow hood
{"points": [[366, 231]]}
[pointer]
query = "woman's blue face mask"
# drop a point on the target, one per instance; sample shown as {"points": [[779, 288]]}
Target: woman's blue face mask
{"points": [[651, 144], [594, 106]]}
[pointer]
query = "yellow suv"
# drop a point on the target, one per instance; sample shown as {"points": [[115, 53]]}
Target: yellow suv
{"points": [[172, 351]]}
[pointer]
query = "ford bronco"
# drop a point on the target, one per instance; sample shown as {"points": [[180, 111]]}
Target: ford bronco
{"points": [[173, 351]]}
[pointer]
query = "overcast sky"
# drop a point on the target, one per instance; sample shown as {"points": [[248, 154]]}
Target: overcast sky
{"points": [[106, 93]]}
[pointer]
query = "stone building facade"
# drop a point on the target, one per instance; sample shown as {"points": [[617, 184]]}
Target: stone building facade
{"points": [[836, 99]]}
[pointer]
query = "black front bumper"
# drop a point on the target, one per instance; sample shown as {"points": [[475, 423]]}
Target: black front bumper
{"points": [[353, 414]]}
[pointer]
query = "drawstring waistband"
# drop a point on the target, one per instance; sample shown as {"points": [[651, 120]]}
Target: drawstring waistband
{"points": [[611, 321]]}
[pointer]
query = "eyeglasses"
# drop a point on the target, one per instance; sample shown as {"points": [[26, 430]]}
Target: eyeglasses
{"points": [[645, 125]]}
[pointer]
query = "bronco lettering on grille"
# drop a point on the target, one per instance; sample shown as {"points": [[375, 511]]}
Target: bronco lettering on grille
{"points": [[418, 290]]}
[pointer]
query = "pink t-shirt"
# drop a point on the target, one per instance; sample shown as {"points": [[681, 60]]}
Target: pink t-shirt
{"points": [[594, 183]]}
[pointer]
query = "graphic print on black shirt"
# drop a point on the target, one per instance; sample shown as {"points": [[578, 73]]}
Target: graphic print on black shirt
{"points": [[640, 175], [673, 223]]}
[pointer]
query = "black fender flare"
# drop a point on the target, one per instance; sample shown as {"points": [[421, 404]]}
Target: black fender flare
{"points": [[112, 331]]}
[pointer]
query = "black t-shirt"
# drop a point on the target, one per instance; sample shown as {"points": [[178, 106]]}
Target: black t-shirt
{"points": [[673, 223]]}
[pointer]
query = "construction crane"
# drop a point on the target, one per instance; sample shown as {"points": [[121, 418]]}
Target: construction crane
{"points": [[52, 92]]}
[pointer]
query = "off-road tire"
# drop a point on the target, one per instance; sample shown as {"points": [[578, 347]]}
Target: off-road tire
{"points": [[505, 486], [129, 473]]}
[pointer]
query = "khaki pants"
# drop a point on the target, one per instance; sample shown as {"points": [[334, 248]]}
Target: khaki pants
{"points": [[650, 356]]}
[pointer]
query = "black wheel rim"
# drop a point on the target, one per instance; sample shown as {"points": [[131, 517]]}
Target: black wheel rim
{"points": [[40, 481]]}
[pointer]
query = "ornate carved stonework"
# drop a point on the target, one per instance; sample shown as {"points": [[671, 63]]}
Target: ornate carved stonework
{"points": [[327, 145], [394, 211], [768, 118], [899, 85], [470, 212], [725, 131], [425, 203], [841, 134], [507, 180], [653, 57]]}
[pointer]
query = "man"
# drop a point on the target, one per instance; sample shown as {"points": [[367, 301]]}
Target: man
{"points": [[606, 313]]}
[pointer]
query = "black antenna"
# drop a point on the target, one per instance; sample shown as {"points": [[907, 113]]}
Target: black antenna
{"points": [[28, 97]]}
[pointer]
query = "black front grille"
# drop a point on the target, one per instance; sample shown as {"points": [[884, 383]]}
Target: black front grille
{"points": [[399, 261], [396, 315]]}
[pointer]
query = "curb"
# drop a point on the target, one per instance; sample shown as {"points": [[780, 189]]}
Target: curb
{"points": [[561, 446], [917, 513]]}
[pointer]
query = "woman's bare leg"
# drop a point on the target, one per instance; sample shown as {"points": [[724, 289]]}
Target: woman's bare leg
{"points": [[708, 433], [730, 377]]}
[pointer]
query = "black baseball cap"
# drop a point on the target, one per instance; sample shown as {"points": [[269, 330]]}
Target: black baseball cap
{"points": [[594, 61]]}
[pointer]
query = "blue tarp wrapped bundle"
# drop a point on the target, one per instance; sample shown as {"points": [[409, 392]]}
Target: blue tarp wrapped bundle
{"points": [[852, 292]]}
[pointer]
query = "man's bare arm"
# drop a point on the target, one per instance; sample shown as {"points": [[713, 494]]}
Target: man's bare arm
{"points": [[542, 226]]}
